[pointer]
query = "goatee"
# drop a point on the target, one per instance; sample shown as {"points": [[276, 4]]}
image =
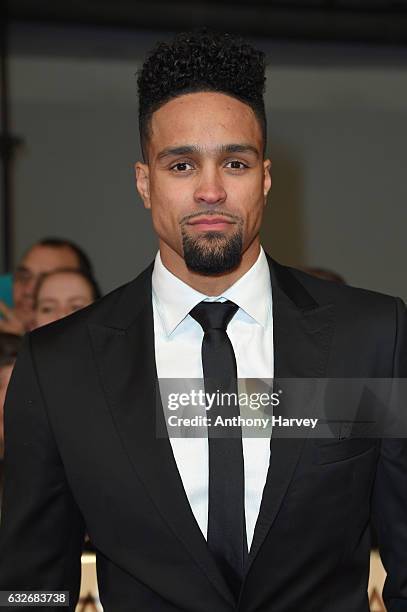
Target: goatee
{"points": [[212, 253]]}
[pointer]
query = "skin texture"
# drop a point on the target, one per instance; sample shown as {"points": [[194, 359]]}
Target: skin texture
{"points": [[209, 186], [5, 375], [59, 295], [37, 261]]}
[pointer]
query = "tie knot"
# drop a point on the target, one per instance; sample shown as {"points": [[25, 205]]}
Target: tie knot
{"points": [[214, 315]]}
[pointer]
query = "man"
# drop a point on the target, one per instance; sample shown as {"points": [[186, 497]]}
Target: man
{"points": [[203, 524], [44, 256]]}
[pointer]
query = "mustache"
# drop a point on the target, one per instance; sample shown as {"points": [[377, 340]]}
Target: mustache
{"points": [[209, 213]]}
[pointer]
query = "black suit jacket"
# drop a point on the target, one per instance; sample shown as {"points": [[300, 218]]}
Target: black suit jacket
{"points": [[82, 454]]}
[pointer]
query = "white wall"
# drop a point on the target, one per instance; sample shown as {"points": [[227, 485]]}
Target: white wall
{"points": [[337, 129]]}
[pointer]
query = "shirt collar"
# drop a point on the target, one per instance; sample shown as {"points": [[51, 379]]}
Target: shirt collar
{"points": [[174, 299], [252, 292]]}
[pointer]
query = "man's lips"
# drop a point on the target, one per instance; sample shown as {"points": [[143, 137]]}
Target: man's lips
{"points": [[211, 223]]}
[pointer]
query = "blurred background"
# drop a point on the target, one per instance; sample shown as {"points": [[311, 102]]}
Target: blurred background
{"points": [[337, 108]]}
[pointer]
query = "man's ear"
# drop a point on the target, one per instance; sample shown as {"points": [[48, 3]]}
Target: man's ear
{"points": [[267, 178], [143, 182]]}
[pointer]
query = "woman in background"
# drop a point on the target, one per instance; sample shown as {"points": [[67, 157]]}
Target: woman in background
{"points": [[62, 292]]}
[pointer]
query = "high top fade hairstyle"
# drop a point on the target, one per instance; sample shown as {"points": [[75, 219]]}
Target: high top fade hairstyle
{"points": [[197, 62]]}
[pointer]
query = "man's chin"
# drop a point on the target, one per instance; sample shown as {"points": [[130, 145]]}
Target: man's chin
{"points": [[212, 253], [212, 268]]}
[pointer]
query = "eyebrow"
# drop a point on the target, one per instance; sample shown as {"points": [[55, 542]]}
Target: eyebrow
{"points": [[196, 149], [55, 300]]}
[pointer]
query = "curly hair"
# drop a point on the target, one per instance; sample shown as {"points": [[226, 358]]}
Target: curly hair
{"points": [[201, 61]]}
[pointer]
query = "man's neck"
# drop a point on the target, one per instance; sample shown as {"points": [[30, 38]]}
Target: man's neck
{"points": [[209, 285]]}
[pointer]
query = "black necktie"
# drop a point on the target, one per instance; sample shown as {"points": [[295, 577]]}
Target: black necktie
{"points": [[226, 517]]}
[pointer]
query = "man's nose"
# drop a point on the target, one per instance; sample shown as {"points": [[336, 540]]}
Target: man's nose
{"points": [[210, 189]]}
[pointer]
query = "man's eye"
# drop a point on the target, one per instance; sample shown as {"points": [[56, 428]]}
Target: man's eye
{"points": [[236, 165], [181, 167]]}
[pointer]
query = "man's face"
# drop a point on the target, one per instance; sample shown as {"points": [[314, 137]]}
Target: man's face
{"points": [[37, 261], [206, 181]]}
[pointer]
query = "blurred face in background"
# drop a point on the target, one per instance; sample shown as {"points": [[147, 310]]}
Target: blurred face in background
{"points": [[59, 294], [36, 262], [5, 375]]}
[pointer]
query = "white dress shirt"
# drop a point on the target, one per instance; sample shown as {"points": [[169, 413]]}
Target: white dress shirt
{"points": [[178, 340]]}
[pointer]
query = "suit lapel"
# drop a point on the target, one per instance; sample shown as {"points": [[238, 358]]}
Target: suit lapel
{"points": [[302, 331], [124, 352]]}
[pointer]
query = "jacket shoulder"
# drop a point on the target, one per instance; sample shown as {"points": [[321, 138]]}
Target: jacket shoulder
{"points": [[355, 297]]}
